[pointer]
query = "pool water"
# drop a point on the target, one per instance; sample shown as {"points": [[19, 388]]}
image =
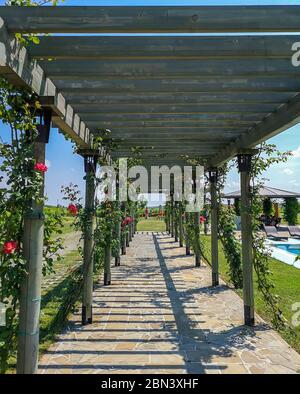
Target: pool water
{"points": [[295, 249]]}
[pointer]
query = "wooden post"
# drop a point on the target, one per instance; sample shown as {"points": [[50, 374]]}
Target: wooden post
{"points": [[107, 259], [180, 222], [118, 236], [127, 238], [129, 231], [176, 221], [30, 296], [197, 240], [88, 242], [123, 229], [172, 214], [213, 174], [187, 240], [244, 165], [197, 226], [123, 243]]}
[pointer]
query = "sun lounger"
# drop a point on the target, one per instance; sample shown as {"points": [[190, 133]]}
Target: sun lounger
{"points": [[272, 231], [294, 231]]}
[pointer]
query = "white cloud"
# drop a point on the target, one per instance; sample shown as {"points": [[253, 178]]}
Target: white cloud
{"points": [[288, 171], [296, 152], [48, 163]]}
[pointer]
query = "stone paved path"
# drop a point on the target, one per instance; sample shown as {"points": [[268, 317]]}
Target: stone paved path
{"points": [[160, 315]]}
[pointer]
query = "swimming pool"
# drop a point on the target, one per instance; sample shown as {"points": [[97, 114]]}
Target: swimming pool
{"points": [[287, 252], [291, 248]]}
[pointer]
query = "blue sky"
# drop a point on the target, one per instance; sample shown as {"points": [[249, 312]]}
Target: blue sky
{"points": [[65, 167]]}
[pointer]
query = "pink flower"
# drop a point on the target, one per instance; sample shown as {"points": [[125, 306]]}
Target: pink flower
{"points": [[72, 209], [10, 247], [40, 167]]}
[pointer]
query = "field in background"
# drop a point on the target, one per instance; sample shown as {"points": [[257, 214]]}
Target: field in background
{"points": [[151, 224]]}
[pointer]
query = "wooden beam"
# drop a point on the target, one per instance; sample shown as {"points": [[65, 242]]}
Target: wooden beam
{"points": [[192, 118], [140, 126], [206, 134], [180, 85], [86, 110], [285, 117], [83, 69], [144, 19], [173, 98], [22, 72], [163, 47]]}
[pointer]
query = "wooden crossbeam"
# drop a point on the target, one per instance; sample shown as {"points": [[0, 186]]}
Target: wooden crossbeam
{"points": [[180, 85], [163, 47], [83, 69], [173, 98], [152, 19]]}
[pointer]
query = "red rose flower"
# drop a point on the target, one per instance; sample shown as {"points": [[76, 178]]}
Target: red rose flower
{"points": [[10, 247], [72, 209], [40, 167]]}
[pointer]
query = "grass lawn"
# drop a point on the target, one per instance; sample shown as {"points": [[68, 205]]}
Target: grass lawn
{"points": [[287, 286], [151, 224], [59, 301]]}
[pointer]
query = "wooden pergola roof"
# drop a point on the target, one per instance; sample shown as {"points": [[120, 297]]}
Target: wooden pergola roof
{"points": [[207, 96]]}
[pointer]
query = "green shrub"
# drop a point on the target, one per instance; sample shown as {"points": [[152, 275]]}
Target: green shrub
{"points": [[290, 210]]}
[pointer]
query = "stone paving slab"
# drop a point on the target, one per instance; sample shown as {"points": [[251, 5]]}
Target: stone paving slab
{"points": [[160, 315]]}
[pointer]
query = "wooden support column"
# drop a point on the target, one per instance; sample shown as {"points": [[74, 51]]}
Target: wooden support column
{"points": [[176, 221], [180, 225], [172, 215], [244, 165], [107, 268], [123, 229], [118, 236], [213, 177], [123, 243], [187, 240], [30, 292], [197, 227], [30, 297], [90, 162], [197, 240], [167, 221], [127, 238]]}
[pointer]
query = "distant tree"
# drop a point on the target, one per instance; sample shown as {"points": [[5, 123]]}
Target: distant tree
{"points": [[237, 206], [291, 210], [267, 207]]}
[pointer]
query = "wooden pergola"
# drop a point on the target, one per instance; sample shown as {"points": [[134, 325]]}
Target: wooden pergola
{"points": [[214, 96]]}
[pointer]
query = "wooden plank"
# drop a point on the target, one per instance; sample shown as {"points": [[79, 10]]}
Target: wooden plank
{"points": [[31, 74], [207, 134], [162, 47], [83, 69], [285, 117], [192, 118], [144, 19], [172, 98], [87, 112], [180, 85], [141, 126]]}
